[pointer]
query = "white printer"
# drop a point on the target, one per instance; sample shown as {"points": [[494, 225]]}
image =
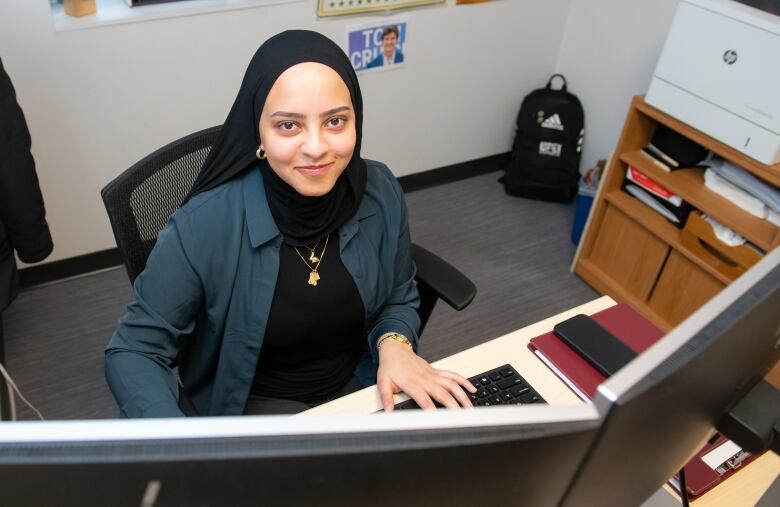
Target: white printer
{"points": [[719, 72]]}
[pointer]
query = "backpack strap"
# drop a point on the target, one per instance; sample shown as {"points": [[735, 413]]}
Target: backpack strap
{"points": [[549, 83]]}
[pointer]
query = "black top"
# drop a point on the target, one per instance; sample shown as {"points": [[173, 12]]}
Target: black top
{"points": [[314, 336], [23, 224]]}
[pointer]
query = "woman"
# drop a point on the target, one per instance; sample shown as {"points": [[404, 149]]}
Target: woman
{"points": [[291, 258]]}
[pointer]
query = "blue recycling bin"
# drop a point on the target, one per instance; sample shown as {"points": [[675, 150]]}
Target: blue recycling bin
{"points": [[586, 191], [581, 209]]}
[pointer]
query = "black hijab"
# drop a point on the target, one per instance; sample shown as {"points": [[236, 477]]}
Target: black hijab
{"points": [[302, 220]]}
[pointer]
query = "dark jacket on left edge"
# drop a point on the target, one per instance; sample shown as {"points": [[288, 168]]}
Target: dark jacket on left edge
{"points": [[23, 224]]}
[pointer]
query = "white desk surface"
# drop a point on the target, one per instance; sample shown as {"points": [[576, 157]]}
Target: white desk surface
{"points": [[744, 488], [511, 348]]}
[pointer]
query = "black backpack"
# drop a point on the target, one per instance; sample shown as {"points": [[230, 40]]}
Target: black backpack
{"points": [[548, 143]]}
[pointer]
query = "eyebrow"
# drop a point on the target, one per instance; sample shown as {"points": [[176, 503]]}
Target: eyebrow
{"points": [[288, 114]]}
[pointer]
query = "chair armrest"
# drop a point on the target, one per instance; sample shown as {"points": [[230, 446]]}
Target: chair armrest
{"points": [[443, 279]]}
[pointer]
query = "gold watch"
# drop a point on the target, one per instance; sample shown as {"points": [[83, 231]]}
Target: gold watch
{"points": [[393, 336]]}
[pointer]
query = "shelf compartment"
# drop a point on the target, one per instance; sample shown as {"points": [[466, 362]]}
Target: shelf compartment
{"points": [[731, 261], [689, 184], [769, 173]]}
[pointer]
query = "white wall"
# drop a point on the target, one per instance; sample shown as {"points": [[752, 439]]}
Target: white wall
{"points": [[98, 100], [609, 52]]}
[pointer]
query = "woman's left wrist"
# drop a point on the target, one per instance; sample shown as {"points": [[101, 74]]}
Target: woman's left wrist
{"points": [[393, 337]]}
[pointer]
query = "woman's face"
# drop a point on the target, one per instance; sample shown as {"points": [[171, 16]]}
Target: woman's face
{"points": [[307, 128]]}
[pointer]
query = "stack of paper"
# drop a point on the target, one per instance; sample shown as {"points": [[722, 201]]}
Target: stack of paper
{"points": [[736, 195], [763, 200]]}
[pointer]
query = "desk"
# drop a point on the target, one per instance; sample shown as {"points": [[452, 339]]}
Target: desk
{"points": [[744, 488]]}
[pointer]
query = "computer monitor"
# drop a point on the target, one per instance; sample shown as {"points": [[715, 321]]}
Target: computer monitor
{"points": [[645, 423], [662, 407], [522, 455]]}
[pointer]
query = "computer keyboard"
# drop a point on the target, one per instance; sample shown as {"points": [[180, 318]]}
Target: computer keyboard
{"points": [[499, 386]]}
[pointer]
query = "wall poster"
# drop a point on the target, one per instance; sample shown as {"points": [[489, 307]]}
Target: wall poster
{"points": [[378, 45]]}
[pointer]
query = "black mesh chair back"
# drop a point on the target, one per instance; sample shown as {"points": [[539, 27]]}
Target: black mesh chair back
{"points": [[141, 199]]}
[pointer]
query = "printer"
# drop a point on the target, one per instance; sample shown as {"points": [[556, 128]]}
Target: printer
{"points": [[719, 72]]}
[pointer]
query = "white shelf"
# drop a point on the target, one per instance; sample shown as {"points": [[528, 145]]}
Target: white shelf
{"points": [[117, 12]]}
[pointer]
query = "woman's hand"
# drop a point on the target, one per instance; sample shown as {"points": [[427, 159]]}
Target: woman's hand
{"points": [[400, 369]]}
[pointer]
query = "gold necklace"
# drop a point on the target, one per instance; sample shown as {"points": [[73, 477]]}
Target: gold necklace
{"points": [[313, 256], [314, 276]]}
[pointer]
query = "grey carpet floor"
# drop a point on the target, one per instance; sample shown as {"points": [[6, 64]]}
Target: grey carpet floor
{"points": [[516, 251]]}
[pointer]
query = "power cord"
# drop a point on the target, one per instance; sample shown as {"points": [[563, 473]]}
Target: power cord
{"points": [[11, 389], [683, 488]]}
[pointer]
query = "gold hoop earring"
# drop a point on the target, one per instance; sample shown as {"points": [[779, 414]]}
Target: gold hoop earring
{"points": [[260, 153]]}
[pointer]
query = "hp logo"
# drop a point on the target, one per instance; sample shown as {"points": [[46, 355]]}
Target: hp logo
{"points": [[730, 56]]}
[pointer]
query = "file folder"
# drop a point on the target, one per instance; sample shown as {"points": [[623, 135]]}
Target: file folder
{"points": [[702, 473], [628, 325]]}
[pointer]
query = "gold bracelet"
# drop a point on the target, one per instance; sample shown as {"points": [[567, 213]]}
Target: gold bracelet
{"points": [[393, 336]]}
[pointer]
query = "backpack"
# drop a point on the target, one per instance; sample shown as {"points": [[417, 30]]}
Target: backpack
{"points": [[547, 147]]}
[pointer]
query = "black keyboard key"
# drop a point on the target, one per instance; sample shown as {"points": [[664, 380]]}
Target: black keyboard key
{"points": [[482, 393], [495, 376], [530, 398], [520, 391], [493, 389], [507, 372], [484, 380], [495, 400], [509, 382], [506, 396]]}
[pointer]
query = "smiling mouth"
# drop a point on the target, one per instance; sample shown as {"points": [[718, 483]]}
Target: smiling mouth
{"points": [[314, 170]]}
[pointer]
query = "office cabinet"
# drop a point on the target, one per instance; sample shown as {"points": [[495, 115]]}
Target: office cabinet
{"points": [[635, 255], [631, 255], [682, 287]]}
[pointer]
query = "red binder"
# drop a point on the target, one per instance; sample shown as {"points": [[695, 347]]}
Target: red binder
{"points": [[700, 477], [630, 327], [621, 320]]}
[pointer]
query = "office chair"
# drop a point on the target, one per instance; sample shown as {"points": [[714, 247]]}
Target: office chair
{"points": [[140, 200]]}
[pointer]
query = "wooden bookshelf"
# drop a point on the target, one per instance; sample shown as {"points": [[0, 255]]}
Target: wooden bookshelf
{"points": [[635, 255], [689, 184]]}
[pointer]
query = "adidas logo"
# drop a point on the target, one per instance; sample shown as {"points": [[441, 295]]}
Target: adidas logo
{"points": [[553, 122]]}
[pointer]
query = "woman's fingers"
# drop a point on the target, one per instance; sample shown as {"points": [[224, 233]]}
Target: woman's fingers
{"points": [[456, 391], [443, 390], [385, 387], [421, 397], [468, 386], [443, 396]]}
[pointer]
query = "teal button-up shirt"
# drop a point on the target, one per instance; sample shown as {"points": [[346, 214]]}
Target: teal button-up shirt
{"points": [[214, 267]]}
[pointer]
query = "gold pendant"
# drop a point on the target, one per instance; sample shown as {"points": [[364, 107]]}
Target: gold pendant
{"points": [[313, 277], [313, 258]]}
